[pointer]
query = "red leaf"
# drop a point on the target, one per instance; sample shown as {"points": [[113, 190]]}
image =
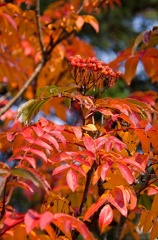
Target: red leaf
{"points": [[95, 206], [73, 223], [61, 169], [77, 131], [31, 219], [105, 217], [89, 143], [100, 141], [39, 153], [60, 137], [72, 179], [51, 139], [46, 218], [78, 169], [117, 199], [126, 173], [153, 189], [104, 170], [132, 162], [12, 219]]}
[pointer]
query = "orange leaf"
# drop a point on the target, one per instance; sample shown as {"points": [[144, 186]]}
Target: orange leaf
{"points": [[154, 208], [105, 217], [130, 69], [95, 206], [154, 232], [118, 200]]}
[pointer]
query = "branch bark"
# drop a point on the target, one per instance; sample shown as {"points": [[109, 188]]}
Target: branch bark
{"points": [[39, 29]]}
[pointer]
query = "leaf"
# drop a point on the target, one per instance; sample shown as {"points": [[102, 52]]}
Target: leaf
{"points": [[60, 169], [10, 20], [126, 173], [148, 223], [31, 220], [45, 219], [146, 37], [92, 21], [105, 217], [30, 174], [137, 41], [153, 189], [29, 109], [79, 23], [20, 184], [154, 231], [89, 143], [142, 219], [118, 200], [12, 219], [130, 69], [72, 180], [154, 209], [90, 127], [95, 207]]}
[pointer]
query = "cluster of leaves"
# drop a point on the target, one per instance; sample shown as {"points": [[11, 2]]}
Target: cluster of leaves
{"points": [[102, 171]]}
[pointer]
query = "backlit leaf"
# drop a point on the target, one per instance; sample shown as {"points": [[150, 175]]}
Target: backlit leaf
{"points": [[31, 220], [126, 173], [105, 217], [154, 231], [60, 169], [89, 143], [72, 180], [94, 207], [118, 200]]}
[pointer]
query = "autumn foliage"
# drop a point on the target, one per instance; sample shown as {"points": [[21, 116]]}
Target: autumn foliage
{"points": [[98, 174]]}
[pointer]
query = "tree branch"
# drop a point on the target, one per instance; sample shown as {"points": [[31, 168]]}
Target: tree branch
{"points": [[22, 90], [84, 199], [37, 11]]}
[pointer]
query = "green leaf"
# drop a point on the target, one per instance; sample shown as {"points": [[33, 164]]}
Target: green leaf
{"points": [[30, 109]]}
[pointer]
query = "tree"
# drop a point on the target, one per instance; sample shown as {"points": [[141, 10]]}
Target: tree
{"points": [[98, 176]]}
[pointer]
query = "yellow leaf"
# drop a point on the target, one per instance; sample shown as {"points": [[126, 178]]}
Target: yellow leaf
{"points": [[154, 207], [154, 232], [148, 223], [79, 23], [142, 219], [90, 127], [20, 232]]}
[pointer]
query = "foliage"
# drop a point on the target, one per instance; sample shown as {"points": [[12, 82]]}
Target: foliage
{"points": [[102, 169]]}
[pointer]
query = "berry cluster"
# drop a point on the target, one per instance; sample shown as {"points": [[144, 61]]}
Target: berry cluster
{"points": [[91, 72]]}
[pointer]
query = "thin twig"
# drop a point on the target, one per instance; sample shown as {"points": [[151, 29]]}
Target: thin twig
{"points": [[37, 11], [22, 90]]}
